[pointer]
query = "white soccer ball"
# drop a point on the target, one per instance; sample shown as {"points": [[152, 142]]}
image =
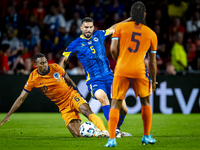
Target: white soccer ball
{"points": [[87, 129]]}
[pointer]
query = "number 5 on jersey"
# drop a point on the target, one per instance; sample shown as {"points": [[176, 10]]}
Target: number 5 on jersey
{"points": [[92, 49], [135, 40]]}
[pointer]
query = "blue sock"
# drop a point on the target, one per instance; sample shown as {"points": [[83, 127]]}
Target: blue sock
{"points": [[121, 120], [106, 110]]}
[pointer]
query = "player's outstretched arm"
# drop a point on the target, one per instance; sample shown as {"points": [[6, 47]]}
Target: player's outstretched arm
{"points": [[15, 106], [112, 28], [153, 69], [63, 62], [69, 80], [114, 49]]}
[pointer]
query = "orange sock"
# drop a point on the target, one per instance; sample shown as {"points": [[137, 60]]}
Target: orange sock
{"points": [[113, 121], [97, 121], [147, 119]]}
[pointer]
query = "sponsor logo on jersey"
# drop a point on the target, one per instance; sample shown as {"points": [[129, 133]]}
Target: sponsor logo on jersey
{"points": [[82, 45]]}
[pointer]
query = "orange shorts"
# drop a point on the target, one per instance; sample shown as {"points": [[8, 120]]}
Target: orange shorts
{"points": [[71, 110], [141, 86]]}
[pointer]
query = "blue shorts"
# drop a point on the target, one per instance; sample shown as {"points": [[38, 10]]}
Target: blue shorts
{"points": [[96, 85]]}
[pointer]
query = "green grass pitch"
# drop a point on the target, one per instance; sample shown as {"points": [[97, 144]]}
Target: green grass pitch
{"points": [[47, 131]]}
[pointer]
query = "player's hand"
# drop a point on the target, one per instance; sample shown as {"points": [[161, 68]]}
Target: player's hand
{"points": [[4, 120], [154, 86]]}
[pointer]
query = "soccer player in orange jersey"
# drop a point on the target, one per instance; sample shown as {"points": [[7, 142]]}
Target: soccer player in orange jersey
{"points": [[58, 87], [134, 39]]}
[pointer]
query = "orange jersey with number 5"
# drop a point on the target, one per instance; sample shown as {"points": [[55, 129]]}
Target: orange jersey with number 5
{"points": [[134, 42]]}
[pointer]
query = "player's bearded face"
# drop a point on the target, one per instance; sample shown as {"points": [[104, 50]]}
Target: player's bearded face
{"points": [[87, 29], [42, 65]]}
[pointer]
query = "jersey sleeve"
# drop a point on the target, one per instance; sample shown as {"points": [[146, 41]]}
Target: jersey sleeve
{"points": [[29, 84], [116, 34], [60, 70], [104, 33], [70, 50], [154, 42]]}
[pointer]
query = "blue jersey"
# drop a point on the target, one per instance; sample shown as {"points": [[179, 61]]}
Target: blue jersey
{"points": [[91, 53]]}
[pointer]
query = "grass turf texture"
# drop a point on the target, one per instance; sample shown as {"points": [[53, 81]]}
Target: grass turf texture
{"points": [[47, 131]]}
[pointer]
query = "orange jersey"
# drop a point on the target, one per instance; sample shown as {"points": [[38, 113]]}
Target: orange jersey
{"points": [[134, 41], [52, 85]]}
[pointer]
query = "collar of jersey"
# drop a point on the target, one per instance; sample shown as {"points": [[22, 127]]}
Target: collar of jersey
{"points": [[43, 74], [85, 37]]}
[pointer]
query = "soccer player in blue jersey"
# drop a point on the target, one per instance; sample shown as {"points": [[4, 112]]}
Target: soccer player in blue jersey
{"points": [[90, 50]]}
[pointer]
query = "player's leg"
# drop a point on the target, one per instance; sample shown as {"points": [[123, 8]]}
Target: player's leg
{"points": [[123, 112], [120, 87], [113, 121], [143, 88], [103, 99], [74, 126], [87, 112], [147, 120], [146, 114], [114, 117], [72, 120], [98, 91], [81, 105], [71, 117]]}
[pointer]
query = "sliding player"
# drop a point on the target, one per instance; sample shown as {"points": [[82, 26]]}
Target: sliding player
{"points": [[50, 79]]}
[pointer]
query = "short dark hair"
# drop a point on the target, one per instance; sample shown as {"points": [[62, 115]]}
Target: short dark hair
{"points": [[5, 47], [87, 19], [36, 56], [137, 13]]}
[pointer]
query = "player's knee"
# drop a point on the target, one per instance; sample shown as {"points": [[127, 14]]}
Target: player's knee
{"points": [[85, 110], [88, 112], [103, 100], [102, 97], [123, 112], [145, 101], [124, 109]]}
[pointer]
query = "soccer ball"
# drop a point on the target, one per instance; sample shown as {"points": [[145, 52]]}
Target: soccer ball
{"points": [[87, 129]]}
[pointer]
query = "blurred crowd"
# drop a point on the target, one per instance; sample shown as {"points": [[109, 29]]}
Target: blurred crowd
{"points": [[29, 27]]}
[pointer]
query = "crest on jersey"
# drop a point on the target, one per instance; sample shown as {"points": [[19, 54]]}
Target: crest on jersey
{"points": [[56, 75], [96, 39], [90, 42]]}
